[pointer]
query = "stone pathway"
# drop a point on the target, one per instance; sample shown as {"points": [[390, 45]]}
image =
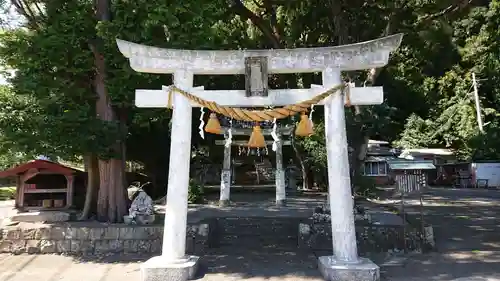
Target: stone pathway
{"points": [[216, 266]]}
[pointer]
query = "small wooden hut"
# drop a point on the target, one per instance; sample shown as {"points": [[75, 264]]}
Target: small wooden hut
{"points": [[43, 185], [410, 175]]}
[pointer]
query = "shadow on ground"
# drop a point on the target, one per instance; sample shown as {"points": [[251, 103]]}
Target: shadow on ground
{"points": [[466, 230]]}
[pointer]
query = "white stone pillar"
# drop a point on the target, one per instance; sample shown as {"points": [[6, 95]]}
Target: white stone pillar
{"points": [[339, 181], [225, 181], [174, 235], [280, 174]]}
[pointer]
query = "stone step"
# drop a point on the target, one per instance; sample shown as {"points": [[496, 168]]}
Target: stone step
{"points": [[255, 233], [253, 230]]}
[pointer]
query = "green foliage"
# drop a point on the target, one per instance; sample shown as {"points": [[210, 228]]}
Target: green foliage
{"points": [[7, 193], [451, 119], [50, 108], [195, 193], [364, 186]]}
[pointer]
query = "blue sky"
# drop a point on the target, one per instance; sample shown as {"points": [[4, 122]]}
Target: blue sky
{"points": [[8, 19]]}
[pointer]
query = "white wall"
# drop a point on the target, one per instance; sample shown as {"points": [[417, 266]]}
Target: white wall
{"points": [[489, 171]]}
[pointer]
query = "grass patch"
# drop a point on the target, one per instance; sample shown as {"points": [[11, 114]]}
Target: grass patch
{"points": [[7, 193]]}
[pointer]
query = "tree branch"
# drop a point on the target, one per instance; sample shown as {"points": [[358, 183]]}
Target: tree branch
{"points": [[459, 5], [258, 4], [24, 9], [271, 10], [266, 29]]}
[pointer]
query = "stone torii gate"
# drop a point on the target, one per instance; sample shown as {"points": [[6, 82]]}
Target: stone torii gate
{"points": [[344, 264]]}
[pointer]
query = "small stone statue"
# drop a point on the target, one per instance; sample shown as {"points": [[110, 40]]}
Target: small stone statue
{"points": [[141, 211]]}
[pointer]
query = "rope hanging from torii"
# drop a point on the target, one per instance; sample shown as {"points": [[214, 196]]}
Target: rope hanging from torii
{"points": [[304, 128]]}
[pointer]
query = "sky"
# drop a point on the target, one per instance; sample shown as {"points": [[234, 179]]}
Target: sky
{"points": [[8, 19]]}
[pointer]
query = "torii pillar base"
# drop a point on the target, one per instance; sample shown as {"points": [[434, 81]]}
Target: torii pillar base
{"points": [[157, 268], [333, 270]]}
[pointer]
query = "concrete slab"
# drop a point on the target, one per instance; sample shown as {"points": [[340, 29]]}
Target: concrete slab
{"points": [[42, 216], [334, 270], [157, 268]]}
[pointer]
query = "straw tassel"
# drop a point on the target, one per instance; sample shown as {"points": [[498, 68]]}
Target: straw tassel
{"points": [[305, 126], [213, 125], [256, 138]]}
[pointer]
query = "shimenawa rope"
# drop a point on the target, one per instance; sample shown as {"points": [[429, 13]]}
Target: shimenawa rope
{"points": [[259, 115]]}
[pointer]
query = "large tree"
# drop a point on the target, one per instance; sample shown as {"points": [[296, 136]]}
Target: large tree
{"points": [[80, 88]]}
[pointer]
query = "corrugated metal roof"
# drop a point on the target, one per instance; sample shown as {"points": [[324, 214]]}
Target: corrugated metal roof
{"points": [[411, 165], [373, 158], [431, 151]]}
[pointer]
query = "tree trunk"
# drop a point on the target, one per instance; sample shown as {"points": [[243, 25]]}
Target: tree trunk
{"points": [[92, 169], [111, 203]]}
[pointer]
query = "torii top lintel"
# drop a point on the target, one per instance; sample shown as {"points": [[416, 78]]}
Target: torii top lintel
{"points": [[364, 55]]}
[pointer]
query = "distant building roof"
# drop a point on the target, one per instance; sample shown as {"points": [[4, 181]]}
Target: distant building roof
{"points": [[377, 142], [376, 158], [411, 165], [409, 153]]}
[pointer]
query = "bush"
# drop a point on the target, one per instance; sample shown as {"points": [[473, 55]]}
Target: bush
{"points": [[7, 193], [195, 192], [364, 186]]}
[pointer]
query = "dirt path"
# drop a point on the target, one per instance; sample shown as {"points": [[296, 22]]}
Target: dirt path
{"points": [[467, 231]]}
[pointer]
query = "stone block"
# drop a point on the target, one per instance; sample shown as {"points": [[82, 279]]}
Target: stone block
{"points": [[134, 232], [81, 233], [63, 246], [82, 246], [334, 270], [204, 229], [116, 246], [154, 232], [42, 216], [144, 246], [43, 233], [157, 268], [48, 246], [28, 234], [60, 233], [12, 233], [5, 246], [130, 246], [18, 247], [111, 233], [96, 233], [101, 246], [33, 246], [156, 246], [108, 246]]}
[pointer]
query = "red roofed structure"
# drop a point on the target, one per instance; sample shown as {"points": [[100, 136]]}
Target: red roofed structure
{"points": [[43, 184]]}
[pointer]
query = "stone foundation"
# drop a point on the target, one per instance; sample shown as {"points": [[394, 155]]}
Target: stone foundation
{"points": [[157, 268], [94, 239], [370, 238], [332, 270]]}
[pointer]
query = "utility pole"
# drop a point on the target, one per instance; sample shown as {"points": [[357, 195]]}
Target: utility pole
{"points": [[478, 106]]}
